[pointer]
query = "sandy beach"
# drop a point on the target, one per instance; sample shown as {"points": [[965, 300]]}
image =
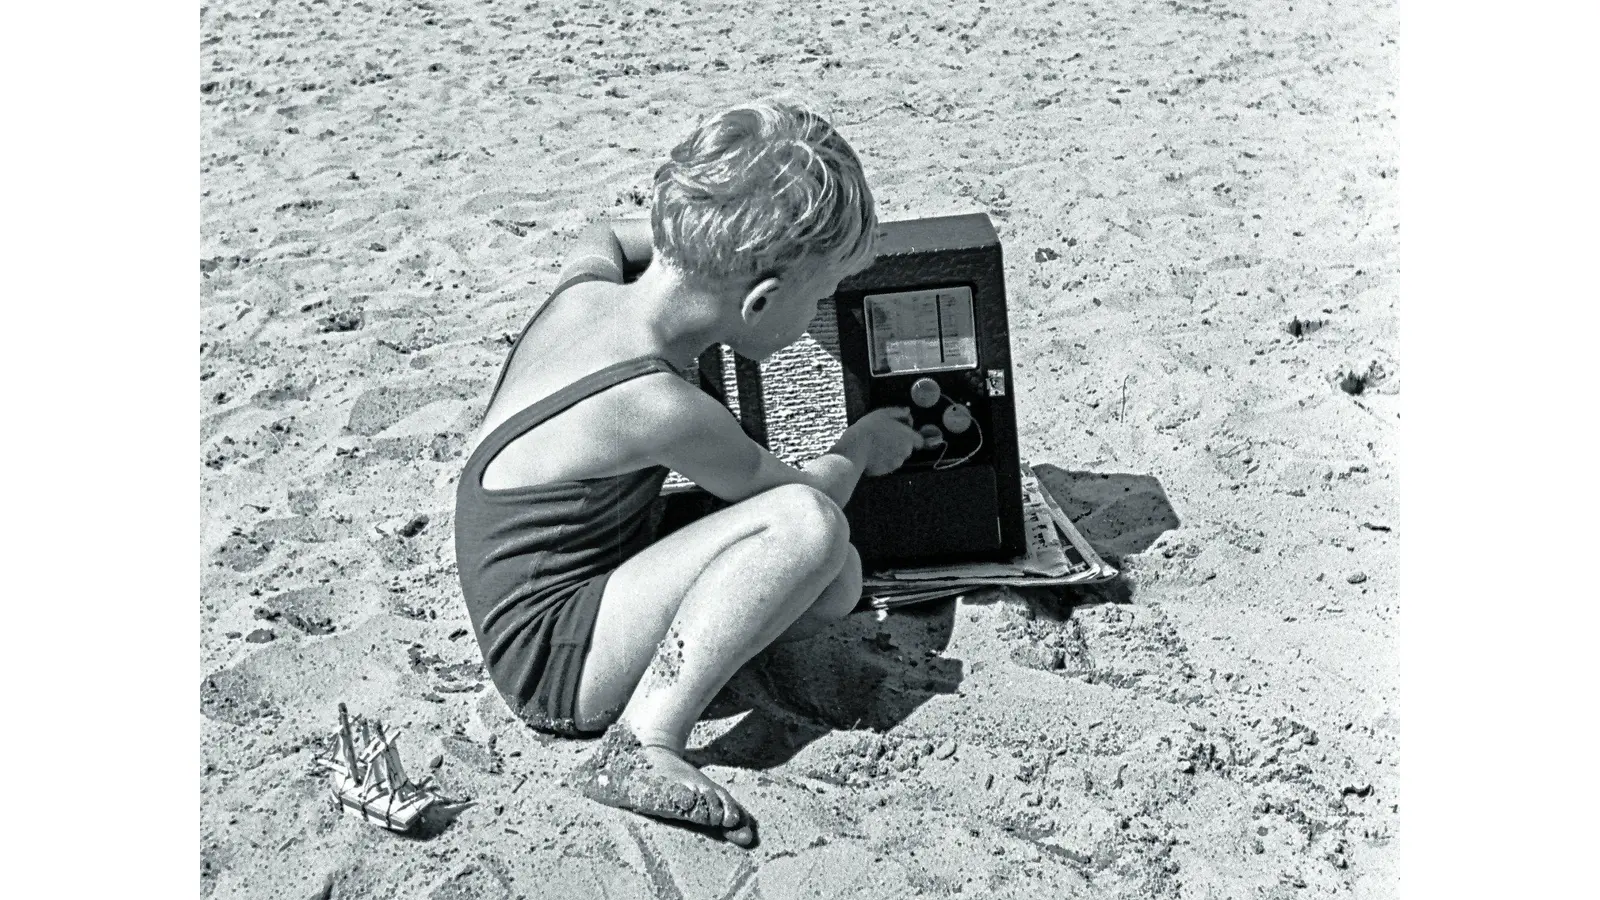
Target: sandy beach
{"points": [[1199, 209]]}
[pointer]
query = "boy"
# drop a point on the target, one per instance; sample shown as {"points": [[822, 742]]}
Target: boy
{"points": [[584, 623]]}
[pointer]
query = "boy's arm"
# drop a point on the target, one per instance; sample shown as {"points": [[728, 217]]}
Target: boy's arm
{"points": [[621, 248], [698, 438]]}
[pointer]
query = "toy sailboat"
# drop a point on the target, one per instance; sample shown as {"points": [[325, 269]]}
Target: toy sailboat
{"points": [[372, 783]]}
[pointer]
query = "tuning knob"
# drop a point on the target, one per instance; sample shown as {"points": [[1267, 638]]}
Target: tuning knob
{"points": [[957, 418], [925, 392]]}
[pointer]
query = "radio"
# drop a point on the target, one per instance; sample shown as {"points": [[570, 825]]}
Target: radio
{"points": [[924, 328]]}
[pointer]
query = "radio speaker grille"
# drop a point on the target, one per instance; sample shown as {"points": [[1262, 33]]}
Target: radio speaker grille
{"points": [[799, 411]]}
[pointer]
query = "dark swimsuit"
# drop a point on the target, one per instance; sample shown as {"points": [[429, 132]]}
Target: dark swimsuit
{"points": [[534, 561]]}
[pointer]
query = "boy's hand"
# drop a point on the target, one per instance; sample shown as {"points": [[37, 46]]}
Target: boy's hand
{"points": [[885, 438]]}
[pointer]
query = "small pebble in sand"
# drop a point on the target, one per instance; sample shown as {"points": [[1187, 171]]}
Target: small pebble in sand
{"points": [[1356, 577], [945, 751], [345, 320], [1034, 656], [261, 636]]}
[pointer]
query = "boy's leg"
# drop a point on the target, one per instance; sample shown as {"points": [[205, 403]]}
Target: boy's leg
{"points": [[678, 619], [839, 599]]}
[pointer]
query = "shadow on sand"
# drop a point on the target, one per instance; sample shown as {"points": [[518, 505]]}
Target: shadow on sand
{"points": [[864, 674], [873, 675]]}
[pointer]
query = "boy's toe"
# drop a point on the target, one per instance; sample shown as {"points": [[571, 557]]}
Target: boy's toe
{"points": [[744, 835], [732, 813], [681, 799], [690, 803], [709, 810]]}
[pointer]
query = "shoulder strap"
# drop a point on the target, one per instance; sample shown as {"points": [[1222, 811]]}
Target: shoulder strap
{"points": [[526, 420]]}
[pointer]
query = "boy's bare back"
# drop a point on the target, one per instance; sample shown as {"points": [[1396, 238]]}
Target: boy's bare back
{"points": [[572, 336]]}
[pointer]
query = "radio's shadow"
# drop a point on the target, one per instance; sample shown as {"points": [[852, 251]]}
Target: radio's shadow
{"points": [[868, 674], [1120, 514]]}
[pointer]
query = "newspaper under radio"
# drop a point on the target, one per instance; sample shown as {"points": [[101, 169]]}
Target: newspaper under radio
{"points": [[1057, 555]]}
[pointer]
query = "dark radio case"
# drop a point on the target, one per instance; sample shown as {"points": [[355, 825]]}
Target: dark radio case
{"points": [[965, 505]]}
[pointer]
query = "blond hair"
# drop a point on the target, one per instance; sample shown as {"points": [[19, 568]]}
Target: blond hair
{"points": [[758, 190]]}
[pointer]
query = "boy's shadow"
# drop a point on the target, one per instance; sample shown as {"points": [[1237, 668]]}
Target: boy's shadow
{"points": [[870, 674], [861, 674]]}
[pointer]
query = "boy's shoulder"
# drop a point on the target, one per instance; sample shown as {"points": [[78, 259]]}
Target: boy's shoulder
{"points": [[666, 396], [626, 425], [668, 409]]}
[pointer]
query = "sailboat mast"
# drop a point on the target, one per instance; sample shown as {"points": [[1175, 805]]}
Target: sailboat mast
{"points": [[346, 743], [396, 770], [381, 759]]}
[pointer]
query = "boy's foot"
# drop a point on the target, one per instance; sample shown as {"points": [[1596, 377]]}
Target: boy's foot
{"points": [[654, 781]]}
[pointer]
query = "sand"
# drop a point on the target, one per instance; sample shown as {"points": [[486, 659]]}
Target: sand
{"points": [[1198, 203]]}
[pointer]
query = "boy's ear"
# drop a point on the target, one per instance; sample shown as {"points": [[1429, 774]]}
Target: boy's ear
{"points": [[758, 299]]}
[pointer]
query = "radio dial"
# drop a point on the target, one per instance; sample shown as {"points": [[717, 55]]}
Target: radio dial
{"points": [[957, 418], [925, 392]]}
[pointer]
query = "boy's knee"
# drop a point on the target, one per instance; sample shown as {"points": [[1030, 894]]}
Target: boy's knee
{"points": [[810, 521], [810, 526]]}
